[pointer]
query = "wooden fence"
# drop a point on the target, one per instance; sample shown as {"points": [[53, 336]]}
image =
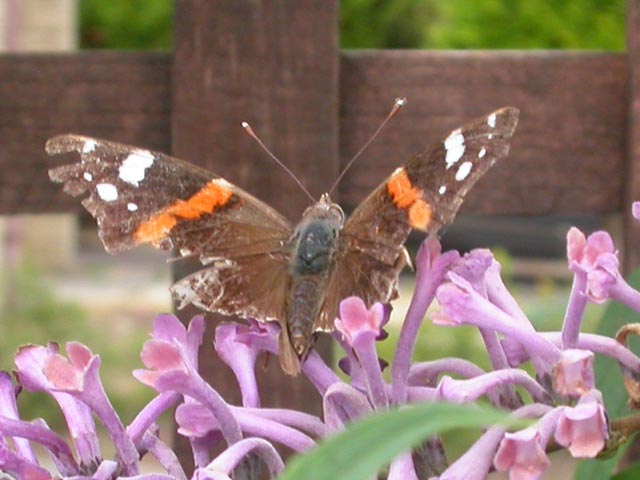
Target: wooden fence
{"points": [[277, 65]]}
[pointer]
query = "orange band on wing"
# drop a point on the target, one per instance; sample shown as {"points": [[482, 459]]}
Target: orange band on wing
{"points": [[401, 191], [210, 197], [420, 214], [409, 198]]}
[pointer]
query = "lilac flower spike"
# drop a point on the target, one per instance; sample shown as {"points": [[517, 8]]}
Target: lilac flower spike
{"points": [[561, 399]]}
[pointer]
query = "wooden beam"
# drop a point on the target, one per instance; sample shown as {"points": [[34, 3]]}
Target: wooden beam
{"points": [[632, 165], [274, 65], [115, 95]]}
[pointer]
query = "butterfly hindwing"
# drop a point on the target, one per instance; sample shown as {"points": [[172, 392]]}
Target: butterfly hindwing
{"points": [[424, 194]]}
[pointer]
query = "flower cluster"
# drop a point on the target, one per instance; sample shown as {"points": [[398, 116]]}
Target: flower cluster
{"points": [[561, 397]]}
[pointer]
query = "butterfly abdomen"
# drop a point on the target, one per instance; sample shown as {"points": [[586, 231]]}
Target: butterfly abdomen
{"points": [[303, 305]]}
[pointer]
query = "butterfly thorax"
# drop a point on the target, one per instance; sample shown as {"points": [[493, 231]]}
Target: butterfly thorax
{"points": [[315, 241]]}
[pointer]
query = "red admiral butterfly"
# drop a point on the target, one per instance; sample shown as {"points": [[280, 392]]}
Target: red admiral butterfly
{"points": [[257, 265]]}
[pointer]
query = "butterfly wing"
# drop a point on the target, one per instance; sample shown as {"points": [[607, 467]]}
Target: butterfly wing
{"points": [[139, 196], [424, 194]]}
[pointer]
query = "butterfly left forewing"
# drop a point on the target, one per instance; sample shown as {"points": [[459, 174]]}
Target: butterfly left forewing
{"points": [[139, 196], [424, 194]]}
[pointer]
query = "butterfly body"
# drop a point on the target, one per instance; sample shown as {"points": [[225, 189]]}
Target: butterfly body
{"points": [[256, 264], [315, 244]]}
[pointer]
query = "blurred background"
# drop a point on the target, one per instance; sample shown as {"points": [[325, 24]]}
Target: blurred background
{"points": [[58, 284]]}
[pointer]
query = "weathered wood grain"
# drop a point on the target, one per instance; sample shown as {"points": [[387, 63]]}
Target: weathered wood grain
{"points": [[632, 165], [117, 95]]}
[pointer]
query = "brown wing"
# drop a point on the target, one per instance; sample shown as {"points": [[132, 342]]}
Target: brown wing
{"points": [[424, 194], [251, 286], [138, 196]]}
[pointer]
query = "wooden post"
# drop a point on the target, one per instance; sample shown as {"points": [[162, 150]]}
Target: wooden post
{"points": [[632, 186], [275, 65]]}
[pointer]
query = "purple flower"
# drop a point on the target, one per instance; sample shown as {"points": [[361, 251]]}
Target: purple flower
{"points": [[468, 390], [584, 252], [583, 429], [171, 357], [224, 464], [431, 266], [196, 420], [596, 257], [360, 327], [475, 463], [523, 453], [461, 304], [172, 350], [78, 375], [574, 373], [635, 210], [357, 324], [30, 361], [241, 357]]}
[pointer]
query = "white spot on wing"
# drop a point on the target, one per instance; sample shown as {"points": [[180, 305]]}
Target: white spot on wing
{"points": [[221, 182], [132, 207], [87, 176], [491, 120], [442, 189], [482, 152], [107, 192], [89, 146], [133, 168], [454, 145], [463, 171]]}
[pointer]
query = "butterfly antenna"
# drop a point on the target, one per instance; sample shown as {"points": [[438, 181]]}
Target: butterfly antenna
{"points": [[397, 105], [253, 135]]}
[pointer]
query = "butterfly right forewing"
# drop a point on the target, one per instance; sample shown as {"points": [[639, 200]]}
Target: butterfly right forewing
{"points": [[445, 171]]}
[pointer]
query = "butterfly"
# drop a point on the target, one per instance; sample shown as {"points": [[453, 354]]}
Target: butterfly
{"points": [[256, 263]]}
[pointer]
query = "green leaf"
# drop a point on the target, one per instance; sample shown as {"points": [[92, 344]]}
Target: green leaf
{"points": [[631, 473], [609, 382], [367, 446]]}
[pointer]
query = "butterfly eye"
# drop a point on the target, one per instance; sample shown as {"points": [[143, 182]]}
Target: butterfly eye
{"points": [[337, 211]]}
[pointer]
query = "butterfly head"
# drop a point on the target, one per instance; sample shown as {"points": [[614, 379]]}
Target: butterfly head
{"points": [[326, 210]]}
